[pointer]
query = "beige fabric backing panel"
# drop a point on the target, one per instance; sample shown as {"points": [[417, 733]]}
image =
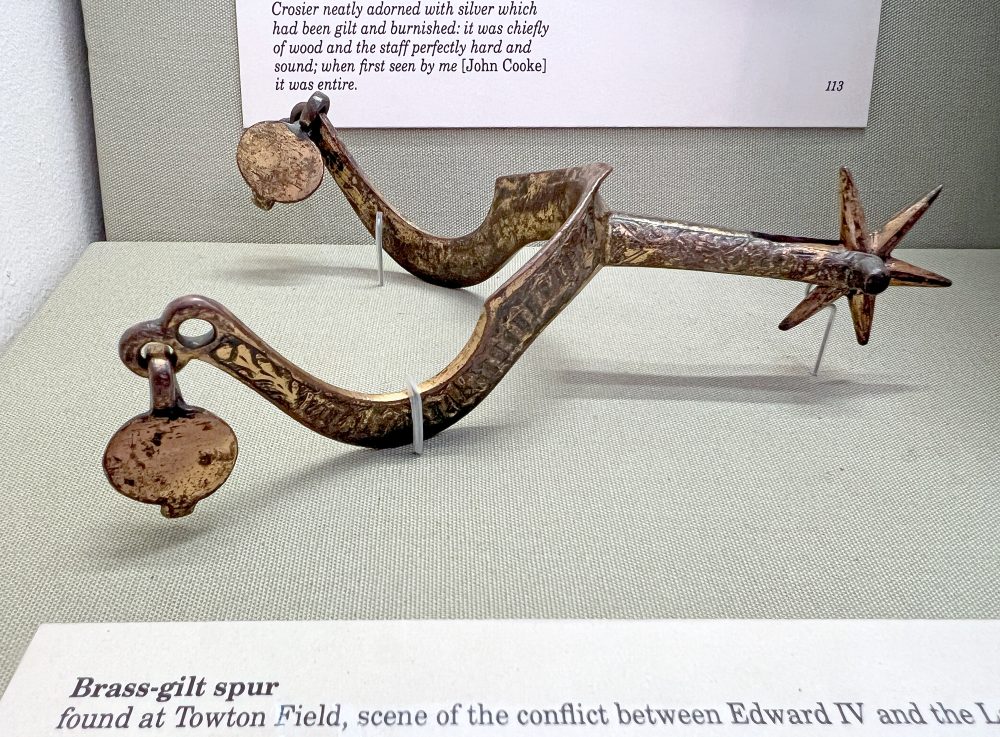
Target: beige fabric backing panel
{"points": [[660, 451], [167, 111]]}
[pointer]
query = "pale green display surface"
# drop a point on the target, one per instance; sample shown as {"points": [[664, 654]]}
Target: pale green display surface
{"points": [[166, 94], [660, 451]]}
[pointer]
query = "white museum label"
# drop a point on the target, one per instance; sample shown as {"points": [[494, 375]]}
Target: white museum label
{"points": [[710, 677], [492, 63]]}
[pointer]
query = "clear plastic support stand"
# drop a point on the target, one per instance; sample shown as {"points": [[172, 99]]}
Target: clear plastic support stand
{"points": [[826, 333], [416, 415], [412, 390], [379, 224]]}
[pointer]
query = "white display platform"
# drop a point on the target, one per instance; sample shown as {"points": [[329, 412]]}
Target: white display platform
{"points": [[661, 451]]}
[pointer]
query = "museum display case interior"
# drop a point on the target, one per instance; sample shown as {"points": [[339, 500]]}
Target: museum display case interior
{"points": [[661, 450]]}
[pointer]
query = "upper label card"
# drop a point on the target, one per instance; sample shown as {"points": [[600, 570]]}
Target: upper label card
{"points": [[559, 63]]}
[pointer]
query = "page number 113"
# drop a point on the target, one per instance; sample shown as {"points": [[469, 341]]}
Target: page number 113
{"points": [[835, 85]]}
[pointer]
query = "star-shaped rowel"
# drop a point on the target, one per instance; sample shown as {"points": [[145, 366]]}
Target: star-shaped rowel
{"points": [[854, 236]]}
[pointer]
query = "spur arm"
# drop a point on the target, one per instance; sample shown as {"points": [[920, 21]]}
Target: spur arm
{"points": [[526, 208], [512, 318], [283, 161]]}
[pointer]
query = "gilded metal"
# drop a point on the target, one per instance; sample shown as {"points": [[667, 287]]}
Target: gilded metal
{"points": [[279, 161], [174, 455]]}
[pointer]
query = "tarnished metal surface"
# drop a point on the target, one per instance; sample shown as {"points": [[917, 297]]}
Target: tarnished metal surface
{"points": [[280, 159], [174, 455], [281, 163], [854, 237], [512, 318]]}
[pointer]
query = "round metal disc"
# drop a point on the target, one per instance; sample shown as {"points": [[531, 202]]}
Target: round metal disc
{"points": [[279, 163], [173, 458]]}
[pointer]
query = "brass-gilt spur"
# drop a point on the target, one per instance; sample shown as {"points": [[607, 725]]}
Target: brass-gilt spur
{"points": [[175, 455]]}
